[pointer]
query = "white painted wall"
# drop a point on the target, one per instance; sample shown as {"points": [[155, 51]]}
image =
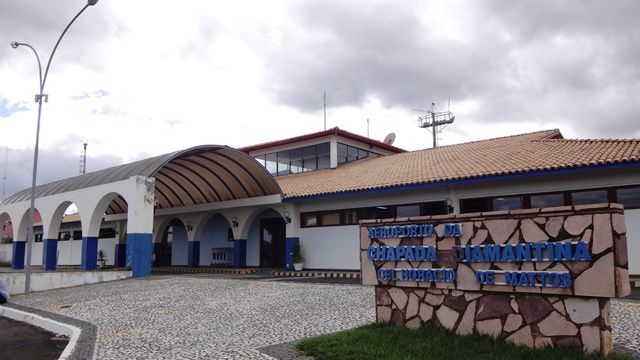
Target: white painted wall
{"points": [[6, 252], [214, 235], [632, 218], [331, 247], [69, 252], [179, 246], [41, 281]]}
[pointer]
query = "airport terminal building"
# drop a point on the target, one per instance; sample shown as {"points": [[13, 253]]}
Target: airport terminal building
{"points": [[219, 206]]}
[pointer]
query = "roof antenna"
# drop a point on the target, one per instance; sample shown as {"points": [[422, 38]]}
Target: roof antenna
{"points": [[4, 176], [324, 96], [368, 128], [83, 158], [432, 120]]}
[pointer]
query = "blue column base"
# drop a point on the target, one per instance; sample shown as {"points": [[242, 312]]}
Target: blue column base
{"points": [[49, 254], [120, 255], [194, 254], [240, 253], [89, 258], [17, 259], [139, 250], [290, 242]]}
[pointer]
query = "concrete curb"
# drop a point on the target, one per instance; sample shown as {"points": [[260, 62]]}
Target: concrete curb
{"points": [[324, 274], [72, 332], [82, 335]]}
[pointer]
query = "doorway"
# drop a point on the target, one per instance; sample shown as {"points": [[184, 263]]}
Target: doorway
{"points": [[272, 239]]}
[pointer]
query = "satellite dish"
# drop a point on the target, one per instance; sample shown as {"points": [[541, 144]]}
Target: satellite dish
{"points": [[389, 139]]}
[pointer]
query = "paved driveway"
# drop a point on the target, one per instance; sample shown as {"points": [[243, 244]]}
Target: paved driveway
{"points": [[174, 317]]}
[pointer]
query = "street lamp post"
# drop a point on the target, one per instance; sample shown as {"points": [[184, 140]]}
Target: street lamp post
{"points": [[39, 97]]}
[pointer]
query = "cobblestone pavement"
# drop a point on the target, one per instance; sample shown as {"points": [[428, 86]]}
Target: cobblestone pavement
{"points": [[175, 317], [625, 317]]}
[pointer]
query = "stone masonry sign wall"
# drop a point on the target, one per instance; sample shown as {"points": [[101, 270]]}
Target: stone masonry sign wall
{"points": [[536, 277]]}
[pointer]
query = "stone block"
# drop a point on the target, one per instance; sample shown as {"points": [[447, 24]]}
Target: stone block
{"points": [[413, 324], [457, 303], [620, 243], [531, 232], [466, 278], [425, 312], [397, 317], [623, 285], [513, 322], [384, 314], [382, 296], [619, 225], [492, 306], [602, 233], [412, 306], [607, 342], [590, 338], [597, 280], [554, 225], [480, 237], [576, 224], [467, 233], [472, 295], [465, 327], [559, 306], [582, 310], [534, 308], [368, 271], [433, 299], [398, 296], [606, 313], [501, 230], [492, 327], [447, 317], [557, 325], [522, 337]]}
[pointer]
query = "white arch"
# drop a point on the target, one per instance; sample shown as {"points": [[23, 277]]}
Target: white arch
{"points": [[97, 213], [248, 221], [23, 225], [202, 224]]}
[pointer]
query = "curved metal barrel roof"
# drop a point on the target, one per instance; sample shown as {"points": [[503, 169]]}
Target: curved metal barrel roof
{"points": [[198, 175]]}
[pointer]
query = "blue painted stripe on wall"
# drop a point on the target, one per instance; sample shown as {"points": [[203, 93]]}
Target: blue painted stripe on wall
{"points": [[120, 255], [468, 181], [289, 244], [240, 253], [17, 258], [89, 256], [49, 254], [139, 250], [194, 254]]}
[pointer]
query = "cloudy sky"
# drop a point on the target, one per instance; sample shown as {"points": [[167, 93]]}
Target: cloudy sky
{"points": [[141, 78]]}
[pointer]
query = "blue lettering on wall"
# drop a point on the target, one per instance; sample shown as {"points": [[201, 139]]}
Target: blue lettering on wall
{"points": [[413, 230], [398, 253], [564, 251], [419, 275]]}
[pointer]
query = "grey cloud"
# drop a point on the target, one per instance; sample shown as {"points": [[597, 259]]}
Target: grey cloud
{"points": [[40, 23], [52, 165], [552, 62]]}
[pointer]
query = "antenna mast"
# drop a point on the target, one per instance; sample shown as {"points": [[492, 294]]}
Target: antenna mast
{"points": [[4, 176], [324, 96], [83, 158], [432, 120]]}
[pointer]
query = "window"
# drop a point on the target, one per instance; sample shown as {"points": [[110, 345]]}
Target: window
{"points": [[507, 203], [348, 153], [77, 235], [283, 163], [342, 153], [435, 208], [324, 156], [272, 163], [408, 210], [261, 160], [64, 235], [475, 205], [330, 219], [589, 197], [547, 200], [629, 197], [37, 238], [349, 217], [310, 220], [107, 233], [378, 212], [309, 159], [296, 160]]}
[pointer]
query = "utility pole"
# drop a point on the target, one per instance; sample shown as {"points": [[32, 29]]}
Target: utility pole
{"points": [[4, 175], [368, 127]]}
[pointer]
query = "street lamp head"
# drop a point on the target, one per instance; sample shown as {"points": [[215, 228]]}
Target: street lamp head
{"points": [[15, 44], [92, 2]]}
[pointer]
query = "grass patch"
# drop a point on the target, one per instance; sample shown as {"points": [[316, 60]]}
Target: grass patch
{"points": [[383, 341]]}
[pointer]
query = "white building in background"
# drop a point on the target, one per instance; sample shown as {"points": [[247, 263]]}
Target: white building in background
{"points": [[218, 206]]}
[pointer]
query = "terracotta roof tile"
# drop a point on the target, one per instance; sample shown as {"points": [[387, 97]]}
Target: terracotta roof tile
{"points": [[542, 150]]}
